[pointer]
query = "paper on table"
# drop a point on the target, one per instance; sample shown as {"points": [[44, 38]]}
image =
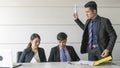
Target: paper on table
{"points": [[94, 63], [83, 62]]}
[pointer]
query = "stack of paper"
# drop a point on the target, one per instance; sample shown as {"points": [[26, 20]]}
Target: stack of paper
{"points": [[83, 62], [94, 63]]}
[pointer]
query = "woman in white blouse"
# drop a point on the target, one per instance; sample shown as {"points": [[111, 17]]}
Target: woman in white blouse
{"points": [[33, 53]]}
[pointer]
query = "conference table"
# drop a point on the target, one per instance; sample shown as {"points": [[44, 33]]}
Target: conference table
{"points": [[111, 64]]}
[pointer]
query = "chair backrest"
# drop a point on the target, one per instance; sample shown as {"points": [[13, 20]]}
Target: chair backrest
{"points": [[18, 55]]}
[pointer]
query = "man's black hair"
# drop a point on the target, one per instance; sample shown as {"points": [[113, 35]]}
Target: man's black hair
{"points": [[92, 5], [62, 36]]}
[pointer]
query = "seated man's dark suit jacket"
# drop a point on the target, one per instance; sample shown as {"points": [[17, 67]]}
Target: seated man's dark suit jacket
{"points": [[28, 54], [55, 54]]}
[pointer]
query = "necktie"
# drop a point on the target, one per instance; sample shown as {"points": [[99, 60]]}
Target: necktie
{"points": [[90, 34], [64, 58]]}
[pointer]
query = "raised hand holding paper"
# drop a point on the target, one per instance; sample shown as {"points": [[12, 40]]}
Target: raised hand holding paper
{"points": [[75, 12]]}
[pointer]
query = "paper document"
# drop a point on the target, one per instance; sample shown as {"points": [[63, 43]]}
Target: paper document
{"points": [[83, 62], [75, 9], [94, 63]]}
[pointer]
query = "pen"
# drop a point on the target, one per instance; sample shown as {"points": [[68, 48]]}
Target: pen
{"points": [[17, 65], [71, 63]]}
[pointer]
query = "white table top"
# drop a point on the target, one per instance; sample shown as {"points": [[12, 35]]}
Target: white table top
{"points": [[113, 64]]}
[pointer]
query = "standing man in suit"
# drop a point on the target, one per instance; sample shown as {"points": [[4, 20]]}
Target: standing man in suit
{"points": [[62, 52], [99, 36]]}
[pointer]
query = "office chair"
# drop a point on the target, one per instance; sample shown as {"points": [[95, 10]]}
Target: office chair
{"points": [[18, 55]]}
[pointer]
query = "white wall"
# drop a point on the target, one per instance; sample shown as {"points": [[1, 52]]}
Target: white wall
{"points": [[20, 18]]}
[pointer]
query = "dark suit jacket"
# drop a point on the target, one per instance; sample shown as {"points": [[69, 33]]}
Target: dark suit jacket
{"points": [[106, 35], [55, 54], [28, 54]]}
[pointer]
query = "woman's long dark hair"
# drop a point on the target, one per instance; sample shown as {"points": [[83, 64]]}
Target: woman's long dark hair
{"points": [[33, 36]]}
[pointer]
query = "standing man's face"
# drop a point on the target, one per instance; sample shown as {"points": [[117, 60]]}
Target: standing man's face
{"points": [[90, 13]]}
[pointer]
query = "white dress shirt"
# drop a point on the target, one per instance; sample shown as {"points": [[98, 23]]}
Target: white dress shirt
{"points": [[35, 58]]}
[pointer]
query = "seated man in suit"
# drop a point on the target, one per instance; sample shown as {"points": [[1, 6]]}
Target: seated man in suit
{"points": [[33, 53], [62, 52]]}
